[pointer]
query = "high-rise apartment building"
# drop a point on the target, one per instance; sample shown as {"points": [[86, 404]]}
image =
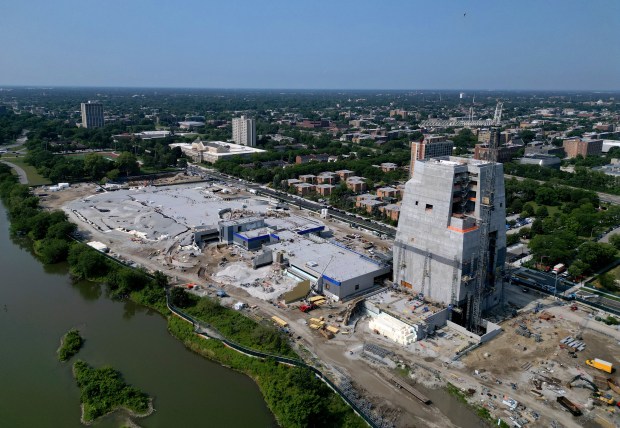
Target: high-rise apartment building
{"points": [[430, 147], [92, 115], [437, 242], [244, 131]]}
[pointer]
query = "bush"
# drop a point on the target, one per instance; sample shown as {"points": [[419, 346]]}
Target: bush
{"points": [[70, 345], [103, 390]]}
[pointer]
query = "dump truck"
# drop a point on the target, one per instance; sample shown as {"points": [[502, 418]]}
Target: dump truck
{"points": [[600, 364]]}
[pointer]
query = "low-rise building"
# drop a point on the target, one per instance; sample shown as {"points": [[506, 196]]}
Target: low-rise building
{"points": [[505, 153], [345, 173], [308, 178], [549, 161], [356, 184], [393, 329], [290, 182], [327, 178], [301, 159], [190, 124], [369, 205], [212, 151], [388, 192], [388, 167], [392, 211], [325, 189], [304, 188], [584, 147], [540, 148]]}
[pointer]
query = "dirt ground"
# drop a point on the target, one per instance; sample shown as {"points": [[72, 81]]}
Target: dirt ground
{"points": [[509, 358]]}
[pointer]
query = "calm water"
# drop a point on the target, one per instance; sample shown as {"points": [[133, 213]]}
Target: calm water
{"points": [[39, 304]]}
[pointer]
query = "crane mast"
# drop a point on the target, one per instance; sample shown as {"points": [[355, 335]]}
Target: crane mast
{"points": [[487, 190]]}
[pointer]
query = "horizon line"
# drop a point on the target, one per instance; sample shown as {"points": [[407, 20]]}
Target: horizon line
{"points": [[43, 86]]}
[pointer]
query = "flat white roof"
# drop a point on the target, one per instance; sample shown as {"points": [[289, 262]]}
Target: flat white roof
{"points": [[334, 262]]}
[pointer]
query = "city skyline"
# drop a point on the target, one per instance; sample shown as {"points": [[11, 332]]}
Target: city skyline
{"points": [[555, 45]]}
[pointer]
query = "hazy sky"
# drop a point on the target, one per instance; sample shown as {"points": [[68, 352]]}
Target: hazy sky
{"points": [[394, 44]]}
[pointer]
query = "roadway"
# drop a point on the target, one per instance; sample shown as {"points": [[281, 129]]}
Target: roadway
{"points": [[545, 282]]}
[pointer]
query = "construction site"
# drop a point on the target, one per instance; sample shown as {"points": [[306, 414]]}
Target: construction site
{"points": [[393, 336]]}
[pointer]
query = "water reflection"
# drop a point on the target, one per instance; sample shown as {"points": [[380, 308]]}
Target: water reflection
{"points": [[88, 290]]}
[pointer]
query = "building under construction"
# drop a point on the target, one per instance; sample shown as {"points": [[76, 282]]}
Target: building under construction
{"points": [[451, 239]]}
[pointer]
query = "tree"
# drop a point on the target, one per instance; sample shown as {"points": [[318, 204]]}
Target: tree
{"points": [[542, 211], [96, 166], [596, 254], [181, 298], [512, 239], [127, 164], [86, 262], [52, 250], [528, 210], [608, 282], [577, 269], [113, 174], [615, 240]]}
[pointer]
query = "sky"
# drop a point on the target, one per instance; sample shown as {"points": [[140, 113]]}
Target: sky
{"points": [[318, 44]]}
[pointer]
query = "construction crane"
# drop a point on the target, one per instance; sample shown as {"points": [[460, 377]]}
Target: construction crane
{"points": [[456, 282], [497, 117], [487, 190], [426, 273]]}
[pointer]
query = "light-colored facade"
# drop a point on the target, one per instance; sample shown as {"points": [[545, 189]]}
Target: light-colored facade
{"points": [[244, 131], [393, 329], [437, 241], [92, 115]]}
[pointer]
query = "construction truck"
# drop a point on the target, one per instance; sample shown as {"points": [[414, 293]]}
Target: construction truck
{"points": [[559, 268], [586, 383], [605, 398], [307, 307], [600, 364]]}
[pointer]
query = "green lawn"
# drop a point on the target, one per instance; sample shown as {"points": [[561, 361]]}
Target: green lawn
{"points": [[34, 178], [551, 209]]}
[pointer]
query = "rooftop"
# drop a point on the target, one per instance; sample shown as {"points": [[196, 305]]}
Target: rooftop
{"points": [[323, 257]]}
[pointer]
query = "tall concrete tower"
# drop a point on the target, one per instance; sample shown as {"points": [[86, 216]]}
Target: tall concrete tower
{"points": [[92, 115], [437, 243], [244, 131]]}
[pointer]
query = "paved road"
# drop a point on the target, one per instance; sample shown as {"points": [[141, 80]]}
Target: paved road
{"points": [[23, 178], [607, 235]]}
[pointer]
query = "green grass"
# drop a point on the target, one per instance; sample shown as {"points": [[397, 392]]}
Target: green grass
{"points": [[616, 272], [34, 178], [550, 209]]}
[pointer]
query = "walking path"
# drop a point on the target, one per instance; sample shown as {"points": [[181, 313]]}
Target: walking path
{"points": [[23, 178]]}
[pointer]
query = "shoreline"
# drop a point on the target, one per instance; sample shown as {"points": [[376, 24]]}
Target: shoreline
{"points": [[129, 412]]}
